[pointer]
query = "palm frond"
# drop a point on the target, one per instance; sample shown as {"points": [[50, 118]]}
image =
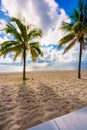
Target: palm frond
{"points": [[80, 5], [7, 44], [66, 39], [12, 30], [38, 50], [17, 54], [71, 44], [18, 23], [22, 27], [35, 33], [36, 47], [75, 16], [34, 44], [34, 54], [35, 50], [66, 26], [5, 50], [28, 27], [81, 10]]}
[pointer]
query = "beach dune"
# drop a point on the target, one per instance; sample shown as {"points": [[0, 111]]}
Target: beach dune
{"points": [[43, 96]]}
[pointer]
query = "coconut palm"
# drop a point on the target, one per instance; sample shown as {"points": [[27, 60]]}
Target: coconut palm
{"points": [[23, 42], [76, 32]]}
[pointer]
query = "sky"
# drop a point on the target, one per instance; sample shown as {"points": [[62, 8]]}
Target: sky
{"points": [[47, 15]]}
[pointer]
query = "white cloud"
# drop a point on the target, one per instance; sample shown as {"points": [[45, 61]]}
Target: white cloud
{"points": [[56, 55], [2, 24], [44, 14], [30, 67], [47, 15]]}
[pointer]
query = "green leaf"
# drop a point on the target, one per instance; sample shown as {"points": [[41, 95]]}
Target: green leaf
{"points": [[19, 51], [66, 26], [12, 30], [66, 39], [35, 33], [71, 44]]}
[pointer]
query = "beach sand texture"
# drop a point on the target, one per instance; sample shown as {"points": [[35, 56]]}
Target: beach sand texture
{"points": [[44, 96]]}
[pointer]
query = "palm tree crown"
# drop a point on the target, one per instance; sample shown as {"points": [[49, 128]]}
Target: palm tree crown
{"points": [[23, 42]]}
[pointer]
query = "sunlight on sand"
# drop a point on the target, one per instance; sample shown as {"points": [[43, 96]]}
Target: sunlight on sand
{"points": [[44, 96]]}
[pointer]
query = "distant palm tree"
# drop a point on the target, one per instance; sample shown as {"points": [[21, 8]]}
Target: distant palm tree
{"points": [[76, 30], [23, 42]]}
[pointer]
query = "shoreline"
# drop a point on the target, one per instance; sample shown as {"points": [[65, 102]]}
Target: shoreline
{"points": [[42, 71]]}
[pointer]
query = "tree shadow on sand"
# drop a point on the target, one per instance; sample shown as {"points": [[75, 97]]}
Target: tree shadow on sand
{"points": [[31, 106], [30, 109], [6, 108], [56, 105]]}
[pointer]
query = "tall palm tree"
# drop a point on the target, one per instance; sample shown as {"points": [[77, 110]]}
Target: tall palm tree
{"points": [[23, 42], [76, 30]]}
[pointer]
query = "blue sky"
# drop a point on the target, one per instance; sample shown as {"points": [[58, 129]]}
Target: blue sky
{"points": [[48, 15], [68, 5]]}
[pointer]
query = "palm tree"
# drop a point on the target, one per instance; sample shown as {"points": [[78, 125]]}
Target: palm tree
{"points": [[76, 30], [23, 42]]}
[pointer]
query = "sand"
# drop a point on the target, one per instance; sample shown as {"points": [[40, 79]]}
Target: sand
{"points": [[43, 96]]}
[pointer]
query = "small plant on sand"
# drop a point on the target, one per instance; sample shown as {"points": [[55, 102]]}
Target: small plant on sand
{"points": [[23, 42], [76, 30]]}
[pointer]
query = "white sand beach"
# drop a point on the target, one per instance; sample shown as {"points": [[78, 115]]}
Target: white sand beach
{"points": [[43, 96]]}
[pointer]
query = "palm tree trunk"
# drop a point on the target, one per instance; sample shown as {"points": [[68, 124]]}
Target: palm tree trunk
{"points": [[24, 65], [79, 64]]}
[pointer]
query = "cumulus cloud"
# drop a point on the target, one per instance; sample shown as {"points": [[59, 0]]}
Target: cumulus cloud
{"points": [[47, 15], [44, 14], [55, 55]]}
